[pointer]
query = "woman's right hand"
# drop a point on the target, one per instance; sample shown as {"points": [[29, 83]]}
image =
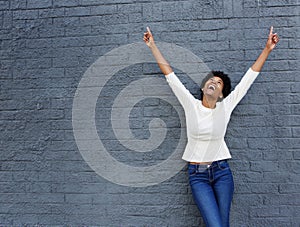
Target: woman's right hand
{"points": [[273, 39], [148, 38], [161, 61]]}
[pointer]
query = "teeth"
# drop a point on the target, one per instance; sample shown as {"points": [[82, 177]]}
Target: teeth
{"points": [[211, 87]]}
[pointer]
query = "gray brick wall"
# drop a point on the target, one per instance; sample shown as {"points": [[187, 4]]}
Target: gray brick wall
{"points": [[46, 46]]}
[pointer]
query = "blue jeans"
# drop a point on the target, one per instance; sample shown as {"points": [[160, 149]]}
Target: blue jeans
{"points": [[212, 189]]}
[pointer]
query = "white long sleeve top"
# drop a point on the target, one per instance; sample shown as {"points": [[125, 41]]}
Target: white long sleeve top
{"points": [[206, 127]]}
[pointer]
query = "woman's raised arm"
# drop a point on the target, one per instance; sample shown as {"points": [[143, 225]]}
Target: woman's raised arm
{"points": [[161, 61], [270, 45]]}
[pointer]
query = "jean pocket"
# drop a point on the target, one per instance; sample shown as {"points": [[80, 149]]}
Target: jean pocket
{"points": [[223, 165], [192, 170]]}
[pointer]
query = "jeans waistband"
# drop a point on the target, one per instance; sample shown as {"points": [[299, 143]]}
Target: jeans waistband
{"points": [[213, 164]]}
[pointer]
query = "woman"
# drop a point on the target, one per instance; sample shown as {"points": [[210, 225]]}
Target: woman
{"points": [[206, 152]]}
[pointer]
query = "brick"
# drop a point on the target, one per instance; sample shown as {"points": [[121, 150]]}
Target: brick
{"points": [[152, 12], [265, 166], [263, 144], [213, 9], [171, 11], [285, 211], [289, 188], [77, 11], [51, 13], [63, 3], [258, 188], [16, 4], [4, 5], [279, 11], [287, 143], [264, 211], [95, 2], [25, 14], [271, 221], [228, 9], [274, 155], [237, 9], [50, 32], [129, 8], [104, 9], [37, 4]]}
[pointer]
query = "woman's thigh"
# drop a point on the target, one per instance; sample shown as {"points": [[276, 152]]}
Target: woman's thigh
{"points": [[223, 188], [204, 197]]}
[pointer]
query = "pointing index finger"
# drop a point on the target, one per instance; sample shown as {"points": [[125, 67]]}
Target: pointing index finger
{"points": [[271, 30], [148, 29]]}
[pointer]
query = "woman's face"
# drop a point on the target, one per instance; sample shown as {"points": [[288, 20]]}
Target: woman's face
{"points": [[213, 88]]}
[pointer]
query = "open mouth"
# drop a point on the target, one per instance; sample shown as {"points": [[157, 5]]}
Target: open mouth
{"points": [[212, 87]]}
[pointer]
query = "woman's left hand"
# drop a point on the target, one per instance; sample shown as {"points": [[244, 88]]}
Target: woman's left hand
{"points": [[273, 39]]}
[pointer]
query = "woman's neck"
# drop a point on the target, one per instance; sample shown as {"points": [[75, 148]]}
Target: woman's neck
{"points": [[209, 103]]}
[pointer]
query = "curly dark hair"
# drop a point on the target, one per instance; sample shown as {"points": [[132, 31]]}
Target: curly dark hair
{"points": [[226, 81]]}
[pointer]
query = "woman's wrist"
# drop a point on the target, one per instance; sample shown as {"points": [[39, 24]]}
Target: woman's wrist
{"points": [[152, 45], [267, 50]]}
